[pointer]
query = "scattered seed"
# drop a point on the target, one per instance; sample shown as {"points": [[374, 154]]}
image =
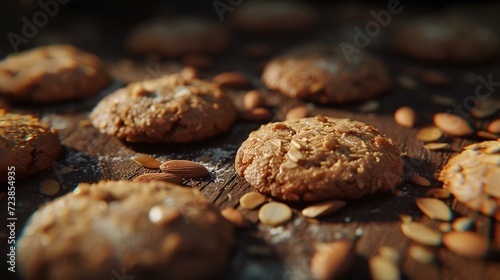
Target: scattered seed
{"points": [[421, 254], [168, 177], [435, 208], [275, 214], [252, 200], [429, 134], [438, 193], [236, 217], [484, 111], [463, 224], [467, 244], [405, 116], [232, 79], [445, 227], [487, 135], [406, 219], [435, 78], [443, 100], [383, 269], [184, 168], [369, 106], [452, 124], [419, 180], [252, 99], [332, 260], [390, 253], [298, 112], [49, 187], [189, 73], [323, 209], [494, 126], [407, 82], [257, 114], [422, 234], [146, 161], [437, 146], [197, 60]]}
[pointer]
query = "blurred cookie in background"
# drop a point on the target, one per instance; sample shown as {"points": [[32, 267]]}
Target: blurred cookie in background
{"points": [[177, 37], [446, 39]]}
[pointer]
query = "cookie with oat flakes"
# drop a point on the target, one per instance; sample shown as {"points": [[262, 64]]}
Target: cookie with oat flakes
{"points": [[168, 109], [319, 158], [51, 74]]}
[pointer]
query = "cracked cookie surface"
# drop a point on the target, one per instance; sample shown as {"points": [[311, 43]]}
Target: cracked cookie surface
{"points": [[168, 109], [51, 74], [26, 144], [152, 230], [319, 158]]}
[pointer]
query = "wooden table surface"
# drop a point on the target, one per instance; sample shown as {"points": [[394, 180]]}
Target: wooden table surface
{"points": [[263, 252]]}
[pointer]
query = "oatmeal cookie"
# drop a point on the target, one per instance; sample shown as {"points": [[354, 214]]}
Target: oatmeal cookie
{"points": [[168, 109], [323, 74], [51, 74], [26, 144], [446, 39], [319, 158], [473, 177], [152, 230], [177, 37]]}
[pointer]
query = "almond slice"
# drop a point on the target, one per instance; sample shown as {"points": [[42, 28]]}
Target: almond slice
{"points": [[390, 253], [383, 269], [463, 224], [405, 116], [421, 254], [437, 146], [466, 244], [422, 234], [452, 124], [429, 134], [252, 200], [159, 177], [438, 193], [332, 260], [323, 209], [235, 217], [435, 209], [275, 214], [297, 113], [146, 161], [49, 187]]}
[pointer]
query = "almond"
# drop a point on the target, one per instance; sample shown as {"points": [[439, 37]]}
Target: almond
{"points": [[435, 208], [405, 116], [184, 168], [419, 180], [146, 161], [487, 135], [253, 99], [49, 187], [383, 269], [390, 253], [494, 126], [232, 79], [466, 244], [429, 134], [452, 124], [421, 254], [323, 209], [438, 193], [298, 112], [422, 234], [168, 177], [189, 73], [258, 114], [235, 217], [332, 260]]}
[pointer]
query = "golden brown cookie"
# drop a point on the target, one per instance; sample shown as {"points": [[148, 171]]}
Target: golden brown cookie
{"points": [[26, 144], [167, 109], [319, 158], [473, 177], [177, 37], [51, 74], [446, 39], [152, 230], [273, 16], [323, 74]]}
